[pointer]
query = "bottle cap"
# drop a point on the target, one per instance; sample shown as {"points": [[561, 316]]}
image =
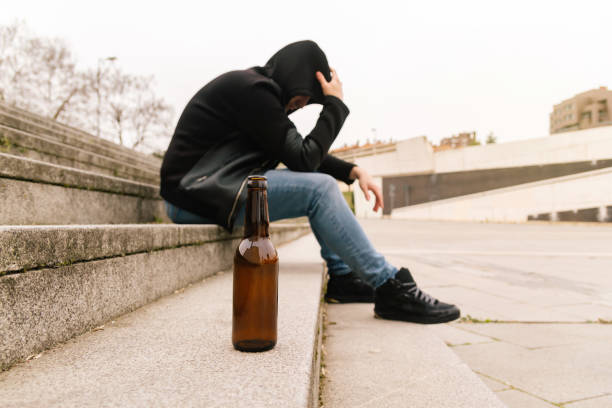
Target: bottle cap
{"points": [[257, 182]]}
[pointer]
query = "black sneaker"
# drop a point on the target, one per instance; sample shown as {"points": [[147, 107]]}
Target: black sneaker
{"points": [[348, 288], [399, 298]]}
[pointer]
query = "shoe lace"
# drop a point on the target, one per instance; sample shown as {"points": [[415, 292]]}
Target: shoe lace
{"points": [[412, 289]]}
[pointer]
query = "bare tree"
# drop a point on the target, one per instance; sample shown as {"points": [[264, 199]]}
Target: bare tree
{"points": [[13, 64], [36, 73], [54, 80], [151, 117], [136, 114], [40, 75], [120, 94]]}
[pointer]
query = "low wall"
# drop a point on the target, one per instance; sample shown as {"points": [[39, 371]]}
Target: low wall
{"points": [[515, 204], [416, 156], [402, 191]]}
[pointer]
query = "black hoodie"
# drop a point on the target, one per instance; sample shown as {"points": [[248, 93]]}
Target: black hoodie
{"points": [[247, 109]]}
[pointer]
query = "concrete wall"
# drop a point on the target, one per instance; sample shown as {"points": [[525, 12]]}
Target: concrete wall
{"points": [[416, 156], [584, 145], [411, 156], [421, 188], [515, 204]]}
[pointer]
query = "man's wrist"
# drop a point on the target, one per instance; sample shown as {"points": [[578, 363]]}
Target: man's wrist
{"points": [[355, 172]]}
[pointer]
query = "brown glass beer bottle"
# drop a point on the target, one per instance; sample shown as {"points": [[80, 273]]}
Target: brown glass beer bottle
{"points": [[255, 308]]}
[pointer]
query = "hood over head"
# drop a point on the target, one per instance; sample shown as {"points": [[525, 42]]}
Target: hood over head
{"points": [[294, 69]]}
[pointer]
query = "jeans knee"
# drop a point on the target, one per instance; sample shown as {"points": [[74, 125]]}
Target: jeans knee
{"points": [[326, 184]]}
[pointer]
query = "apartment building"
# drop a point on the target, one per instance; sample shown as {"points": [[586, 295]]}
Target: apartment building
{"points": [[586, 110], [457, 141]]}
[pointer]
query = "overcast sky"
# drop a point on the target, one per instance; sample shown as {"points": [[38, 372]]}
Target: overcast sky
{"points": [[432, 68]]}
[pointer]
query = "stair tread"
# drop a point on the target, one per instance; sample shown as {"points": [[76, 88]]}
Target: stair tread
{"points": [[23, 168], [27, 247], [177, 351]]}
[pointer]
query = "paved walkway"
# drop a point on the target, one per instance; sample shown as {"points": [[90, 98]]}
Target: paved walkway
{"points": [[536, 302]]}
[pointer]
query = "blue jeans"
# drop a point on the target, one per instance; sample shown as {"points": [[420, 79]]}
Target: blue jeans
{"points": [[344, 245]]}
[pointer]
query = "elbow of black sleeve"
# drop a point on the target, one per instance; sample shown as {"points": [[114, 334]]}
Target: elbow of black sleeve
{"points": [[301, 154], [310, 162]]}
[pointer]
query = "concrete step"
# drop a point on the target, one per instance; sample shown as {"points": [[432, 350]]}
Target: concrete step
{"points": [[177, 351], [25, 144], [35, 193], [63, 128], [379, 363], [35, 124], [57, 282]]}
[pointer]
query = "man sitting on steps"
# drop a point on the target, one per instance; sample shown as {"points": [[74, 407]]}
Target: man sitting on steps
{"points": [[237, 125]]}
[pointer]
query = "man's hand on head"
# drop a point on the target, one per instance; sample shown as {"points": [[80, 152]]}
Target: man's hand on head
{"points": [[366, 183], [333, 87]]}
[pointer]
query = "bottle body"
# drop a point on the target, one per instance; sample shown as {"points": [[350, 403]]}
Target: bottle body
{"points": [[255, 290]]}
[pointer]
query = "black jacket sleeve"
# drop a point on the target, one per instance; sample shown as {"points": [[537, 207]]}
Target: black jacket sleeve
{"points": [[263, 117], [337, 168]]}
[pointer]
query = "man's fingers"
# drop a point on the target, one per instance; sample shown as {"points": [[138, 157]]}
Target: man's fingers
{"points": [[378, 195], [321, 78], [364, 187]]}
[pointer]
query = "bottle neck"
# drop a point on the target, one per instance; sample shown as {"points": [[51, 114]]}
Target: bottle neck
{"points": [[257, 220]]}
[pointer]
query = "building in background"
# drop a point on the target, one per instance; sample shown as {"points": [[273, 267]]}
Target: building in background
{"points": [[351, 152], [586, 110], [459, 141]]}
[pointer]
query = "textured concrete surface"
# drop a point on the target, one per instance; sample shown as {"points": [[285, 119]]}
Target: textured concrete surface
{"points": [[24, 144], [532, 296], [553, 374], [33, 203], [29, 247], [177, 352], [22, 168], [597, 402], [378, 363], [30, 122], [46, 306], [515, 398]]}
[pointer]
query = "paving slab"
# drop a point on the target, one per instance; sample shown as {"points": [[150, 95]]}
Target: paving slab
{"points": [[455, 336], [177, 352], [533, 336], [516, 398], [494, 385], [379, 363], [597, 402], [555, 374], [586, 311]]}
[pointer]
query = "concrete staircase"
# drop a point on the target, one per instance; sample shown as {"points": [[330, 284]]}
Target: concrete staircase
{"points": [[85, 244]]}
